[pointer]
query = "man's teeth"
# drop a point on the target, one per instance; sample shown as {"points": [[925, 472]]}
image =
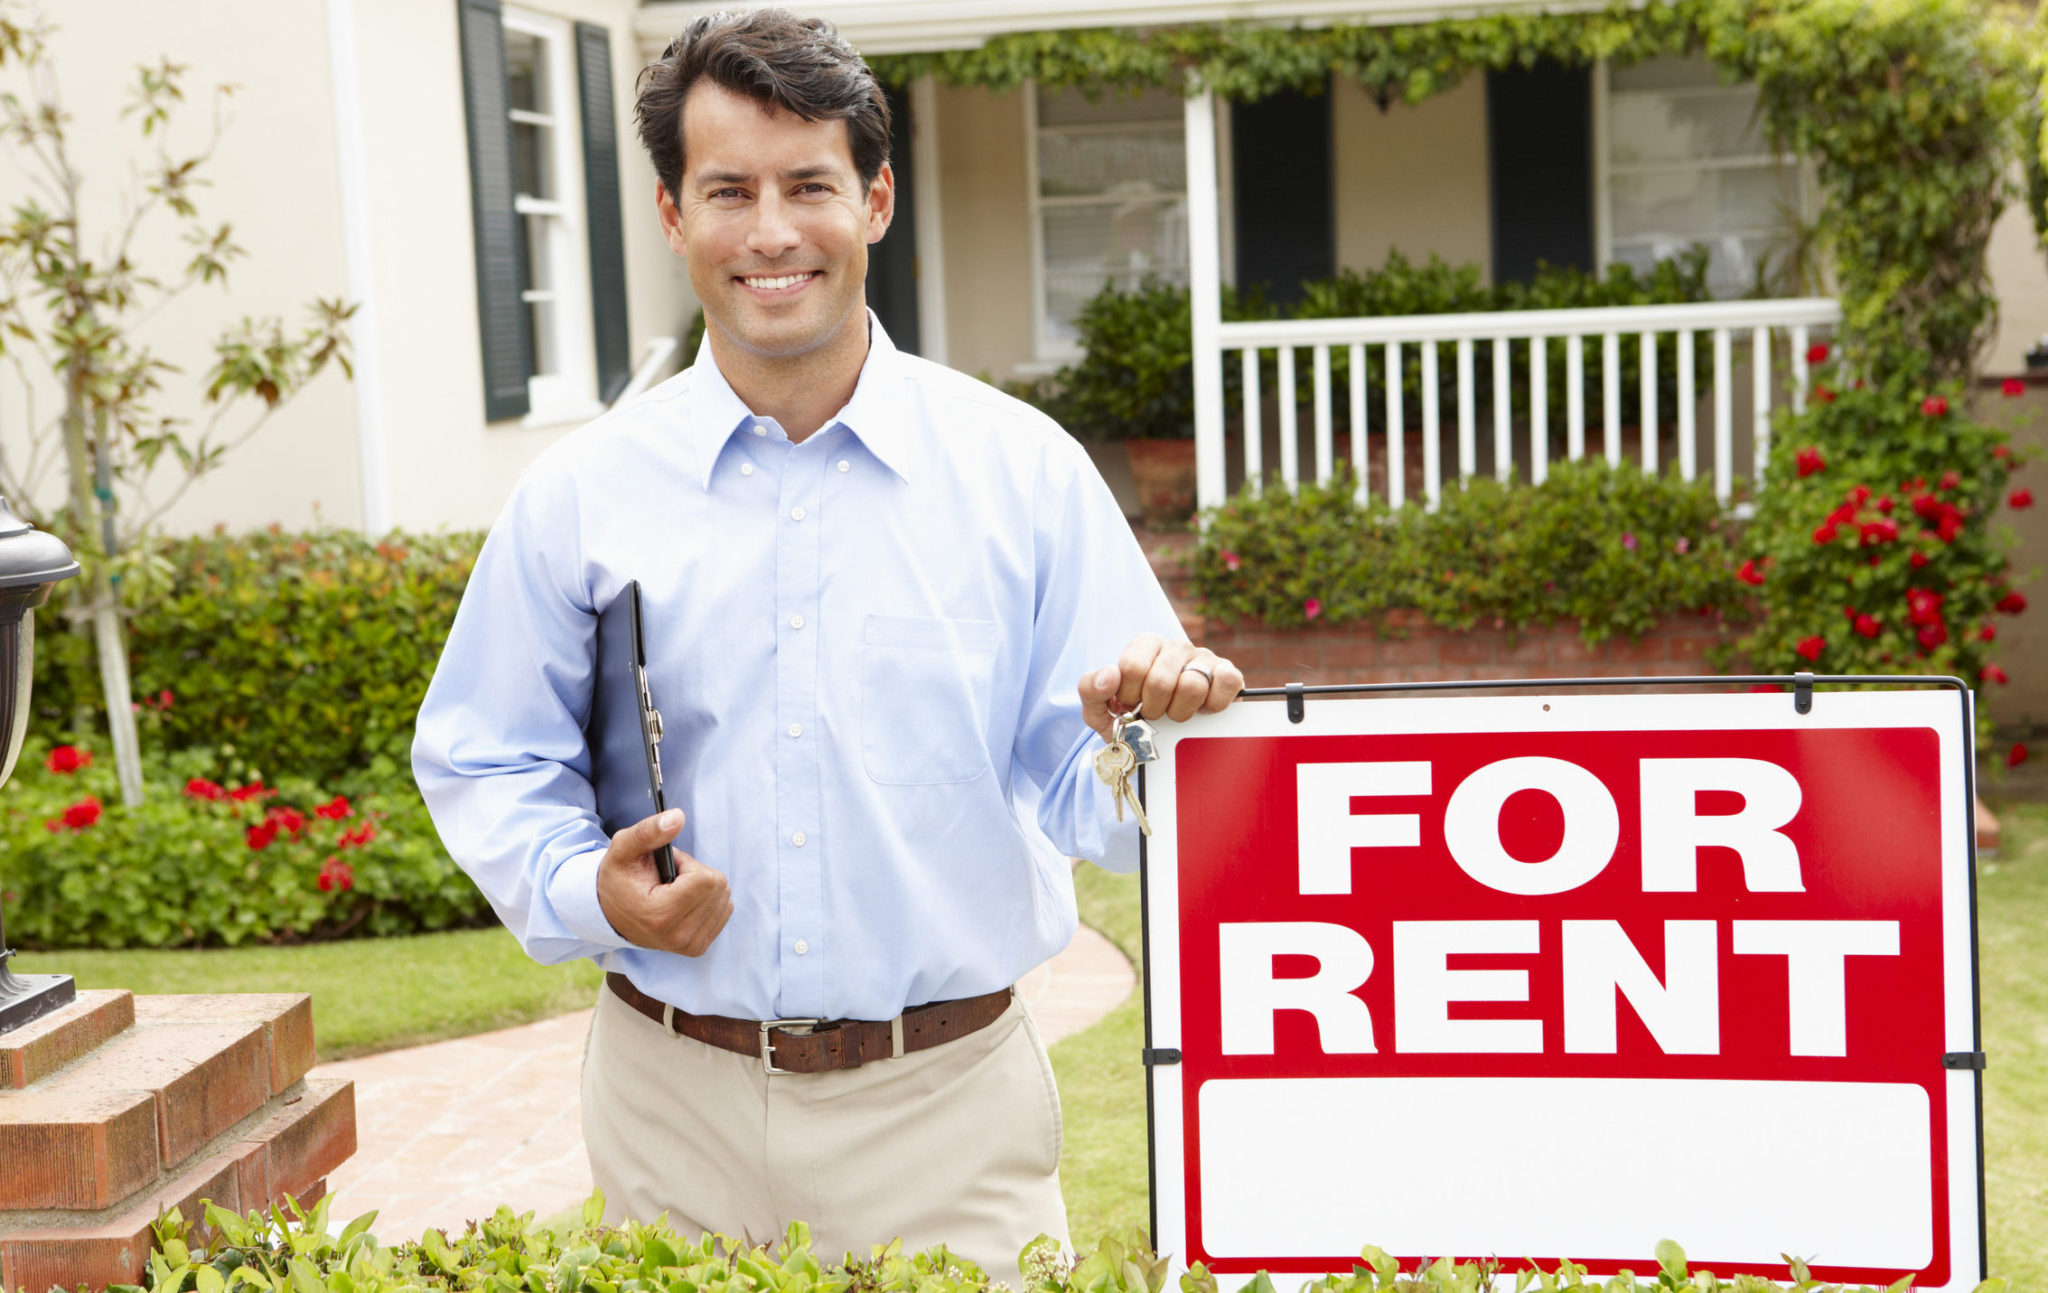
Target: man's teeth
{"points": [[771, 284]]}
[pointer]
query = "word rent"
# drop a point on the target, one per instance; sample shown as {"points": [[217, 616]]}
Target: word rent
{"points": [[1600, 964]]}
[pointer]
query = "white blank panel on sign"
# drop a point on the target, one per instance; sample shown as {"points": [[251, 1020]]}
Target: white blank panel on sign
{"points": [[1736, 1171]]}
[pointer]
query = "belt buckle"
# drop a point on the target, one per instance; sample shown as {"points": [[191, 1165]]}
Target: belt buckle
{"points": [[768, 1026]]}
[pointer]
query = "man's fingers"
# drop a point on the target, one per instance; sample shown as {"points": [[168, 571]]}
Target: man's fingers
{"points": [[1163, 679], [1135, 666], [1096, 689], [1229, 681], [642, 836]]}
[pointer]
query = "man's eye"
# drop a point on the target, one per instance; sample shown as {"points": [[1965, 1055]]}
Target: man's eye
{"points": [[813, 189], [719, 195]]}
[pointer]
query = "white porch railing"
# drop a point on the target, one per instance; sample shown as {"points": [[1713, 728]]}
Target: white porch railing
{"points": [[1376, 348]]}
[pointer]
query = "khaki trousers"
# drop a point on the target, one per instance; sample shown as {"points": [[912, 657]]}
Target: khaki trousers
{"points": [[957, 1145]]}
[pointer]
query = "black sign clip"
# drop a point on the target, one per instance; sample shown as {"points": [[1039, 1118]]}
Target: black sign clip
{"points": [[1963, 1060], [1802, 692], [1297, 703], [1160, 1055]]}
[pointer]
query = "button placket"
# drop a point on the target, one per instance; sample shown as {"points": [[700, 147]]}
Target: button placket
{"points": [[800, 877]]}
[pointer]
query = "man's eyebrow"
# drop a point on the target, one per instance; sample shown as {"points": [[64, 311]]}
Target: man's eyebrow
{"points": [[817, 170]]}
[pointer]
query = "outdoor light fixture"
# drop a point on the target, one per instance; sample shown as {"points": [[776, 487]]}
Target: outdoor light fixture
{"points": [[31, 564]]}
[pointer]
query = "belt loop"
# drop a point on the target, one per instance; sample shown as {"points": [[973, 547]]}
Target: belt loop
{"points": [[668, 1018], [896, 1038]]}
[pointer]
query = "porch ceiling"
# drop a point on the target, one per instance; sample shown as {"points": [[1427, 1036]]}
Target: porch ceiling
{"points": [[910, 26]]}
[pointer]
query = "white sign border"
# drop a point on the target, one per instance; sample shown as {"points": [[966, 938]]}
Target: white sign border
{"points": [[1539, 711]]}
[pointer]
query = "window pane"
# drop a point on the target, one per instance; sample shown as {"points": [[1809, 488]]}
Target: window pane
{"points": [[533, 172], [1073, 108], [540, 273], [546, 353], [1733, 260], [1115, 164], [1682, 128], [1116, 242], [1700, 203], [526, 71], [1666, 72]]}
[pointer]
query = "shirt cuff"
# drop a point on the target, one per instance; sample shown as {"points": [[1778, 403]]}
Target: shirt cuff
{"points": [[572, 892]]}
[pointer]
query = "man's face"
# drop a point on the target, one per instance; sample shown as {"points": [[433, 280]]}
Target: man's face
{"points": [[774, 222]]}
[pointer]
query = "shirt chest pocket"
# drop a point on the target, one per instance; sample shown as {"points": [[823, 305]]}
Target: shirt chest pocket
{"points": [[925, 685]]}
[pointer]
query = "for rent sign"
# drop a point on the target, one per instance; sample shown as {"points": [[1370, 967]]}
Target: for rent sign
{"points": [[1558, 976]]}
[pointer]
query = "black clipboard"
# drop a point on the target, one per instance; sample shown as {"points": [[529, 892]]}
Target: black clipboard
{"points": [[624, 731]]}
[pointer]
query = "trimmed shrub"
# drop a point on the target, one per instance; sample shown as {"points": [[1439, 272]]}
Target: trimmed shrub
{"points": [[309, 652]]}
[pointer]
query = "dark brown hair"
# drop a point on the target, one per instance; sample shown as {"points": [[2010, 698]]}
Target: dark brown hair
{"points": [[799, 65]]}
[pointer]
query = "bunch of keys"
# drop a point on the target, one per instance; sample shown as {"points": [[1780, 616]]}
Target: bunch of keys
{"points": [[1131, 742]]}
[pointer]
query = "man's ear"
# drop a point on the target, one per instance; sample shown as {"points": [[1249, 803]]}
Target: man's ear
{"points": [[671, 221], [881, 203]]}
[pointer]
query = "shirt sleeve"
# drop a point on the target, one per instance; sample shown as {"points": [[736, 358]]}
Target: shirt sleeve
{"points": [[1095, 593], [499, 752]]}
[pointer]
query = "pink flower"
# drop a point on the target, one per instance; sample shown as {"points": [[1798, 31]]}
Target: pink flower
{"points": [[1992, 673], [1683, 546], [1231, 561], [1628, 540], [2012, 387], [1311, 608]]}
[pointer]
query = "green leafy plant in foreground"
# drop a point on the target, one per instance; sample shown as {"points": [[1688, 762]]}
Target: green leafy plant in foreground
{"points": [[289, 1249]]}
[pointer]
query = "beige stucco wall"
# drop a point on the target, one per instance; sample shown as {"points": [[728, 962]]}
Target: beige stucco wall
{"points": [[446, 465], [2019, 277], [1412, 177], [273, 177], [985, 214]]}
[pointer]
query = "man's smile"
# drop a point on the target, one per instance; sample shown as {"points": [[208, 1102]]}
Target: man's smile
{"points": [[779, 283]]}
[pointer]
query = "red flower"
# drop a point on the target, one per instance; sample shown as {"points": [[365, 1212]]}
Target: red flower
{"points": [[1823, 394], [1988, 633], [1868, 626], [336, 874], [289, 820], [1811, 647], [2020, 498], [1933, 636], [1311, 608], [1885, 504], [2016, 755], [358, 837], [1992, 673], [1749, 574], [1766, 686], [78, 816], [242, 794], [2012, 603], [1917, 560], [1809, 461], [1858, 496], [1825, 532], [1923, 606], [2011, 387], [1934, 406], [201, 788], [1231, 561], [1949, 480], [1817, 353], [334, 809], [1951, 524], [1927, 506], [1880, 531], [67, 759], [258, 837], [2002, 452]]}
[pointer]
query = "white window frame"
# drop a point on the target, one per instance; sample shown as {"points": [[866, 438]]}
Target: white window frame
{"points": [[1603, 167], [1051, 351], [570, 393]]}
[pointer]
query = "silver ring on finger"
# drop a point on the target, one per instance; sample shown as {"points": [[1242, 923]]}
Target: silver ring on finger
{"points": [[1208, 675]]}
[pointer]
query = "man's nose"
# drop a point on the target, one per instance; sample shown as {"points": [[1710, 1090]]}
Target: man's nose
{"points": [[775, 231]]}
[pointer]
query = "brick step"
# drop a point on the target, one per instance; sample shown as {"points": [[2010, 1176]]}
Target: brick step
{"points": [[39, 1048], [142, 1102], [289, 1151]]}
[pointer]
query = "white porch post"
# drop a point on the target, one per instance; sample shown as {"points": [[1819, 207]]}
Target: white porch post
{"points": [[1205, 296]]}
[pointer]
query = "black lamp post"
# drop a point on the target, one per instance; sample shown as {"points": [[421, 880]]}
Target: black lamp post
{"points": [[31, 564]]}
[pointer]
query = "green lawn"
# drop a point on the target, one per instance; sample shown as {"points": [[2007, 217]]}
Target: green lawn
{"points": [[2012, 905], [368, 995]]}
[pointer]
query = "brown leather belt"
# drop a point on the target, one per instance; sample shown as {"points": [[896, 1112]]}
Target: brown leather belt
{"points": [[829, 1043]]}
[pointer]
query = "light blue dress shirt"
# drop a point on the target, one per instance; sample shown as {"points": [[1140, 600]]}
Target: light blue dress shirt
{"points": [[864, 648]]}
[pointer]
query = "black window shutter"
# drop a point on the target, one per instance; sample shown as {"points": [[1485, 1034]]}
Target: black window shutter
{"points": [[501, 315], [601, 207], [1539, 136], [1284, 193]]}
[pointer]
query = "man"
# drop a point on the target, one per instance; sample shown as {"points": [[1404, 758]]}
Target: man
{"points": [[870, 583]]}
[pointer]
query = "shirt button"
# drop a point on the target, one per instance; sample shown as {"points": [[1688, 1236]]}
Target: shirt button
{"points": [[796, 621], [796, 729], [802, 947], [759, 429], [797, 839], [796, 514], [845, 465], [746, 469]]}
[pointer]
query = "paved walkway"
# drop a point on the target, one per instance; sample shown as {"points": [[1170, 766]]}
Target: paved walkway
{"points": [[449, 1131]]}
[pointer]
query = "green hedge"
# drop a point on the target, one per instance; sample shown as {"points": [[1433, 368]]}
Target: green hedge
{"points": [[291, 1250], [219, 853], [1615, 549], [309, 652]]}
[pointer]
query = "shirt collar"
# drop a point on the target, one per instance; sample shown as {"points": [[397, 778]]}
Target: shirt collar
{"points": [[875, 414]]}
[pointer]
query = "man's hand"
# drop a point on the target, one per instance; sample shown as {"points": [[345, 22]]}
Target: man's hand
{"points": [[682, 916], [1154, 677]]}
